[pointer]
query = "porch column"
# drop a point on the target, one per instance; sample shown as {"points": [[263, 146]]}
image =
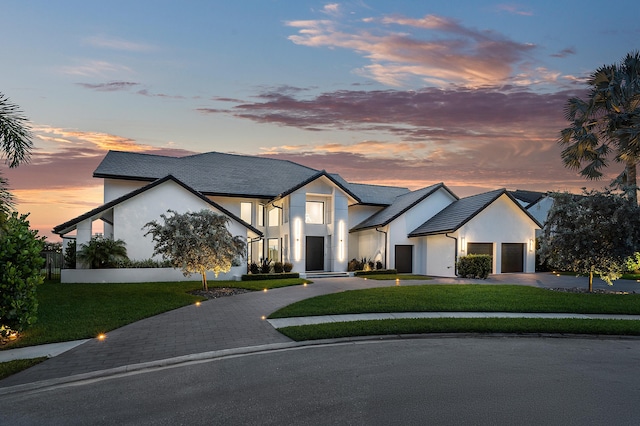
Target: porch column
{"points": [[83, 236]]}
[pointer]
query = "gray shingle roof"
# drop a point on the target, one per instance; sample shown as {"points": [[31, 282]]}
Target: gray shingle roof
{"points": [[401, 204], [529, 197], [216, 173], [460, 212], [210, 173]]}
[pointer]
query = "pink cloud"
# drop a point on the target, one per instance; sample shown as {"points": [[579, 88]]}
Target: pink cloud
{"points": [[435, 49]]}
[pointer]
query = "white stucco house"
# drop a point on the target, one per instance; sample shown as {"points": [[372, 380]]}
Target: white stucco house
{"points": [[314, 219]]}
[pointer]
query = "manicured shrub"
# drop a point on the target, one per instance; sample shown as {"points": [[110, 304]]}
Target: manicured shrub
{"points": [[70, 255], [20, 264], [262, 277], [475, 266], [378, 265], [377, 272], [354, 265], [254, 268], [288, 266], [278, 267], [265, 268]]}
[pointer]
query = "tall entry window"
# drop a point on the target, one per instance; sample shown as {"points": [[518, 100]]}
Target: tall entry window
{"points": [[260, 214], [314, 212], [274, 217], [245, 212]]}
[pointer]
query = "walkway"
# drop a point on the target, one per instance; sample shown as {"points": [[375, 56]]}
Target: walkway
{"points": [[224, 324]]}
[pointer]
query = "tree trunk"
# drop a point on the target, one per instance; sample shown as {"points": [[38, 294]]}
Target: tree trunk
{"points": [[631, 169], [205, 286], [590, 281]]}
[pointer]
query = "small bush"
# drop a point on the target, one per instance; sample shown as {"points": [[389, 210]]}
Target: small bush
{"points": [[278, 267], [378, 265], [145, 263], [262, 277], [265, 268], [475, 266], [288, 266], [354, 265], [253, 268], [70, 255]]}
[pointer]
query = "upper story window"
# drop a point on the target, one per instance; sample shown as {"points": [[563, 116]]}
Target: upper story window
{"points": [[260, 214], [314, 212], [274, 217], [245, 212]]}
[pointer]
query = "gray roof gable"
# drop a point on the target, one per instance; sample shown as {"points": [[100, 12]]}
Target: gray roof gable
{"points": [[456, 214], [401, 204], [529, 197]]}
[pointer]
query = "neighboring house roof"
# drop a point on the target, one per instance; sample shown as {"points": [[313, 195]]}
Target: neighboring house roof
{"points": [[70, 225], [456, 214], [216, 173], [528, 197], [400, 205]]}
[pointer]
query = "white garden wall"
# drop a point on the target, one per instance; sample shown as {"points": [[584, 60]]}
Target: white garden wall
{"points": [[142, 275]]}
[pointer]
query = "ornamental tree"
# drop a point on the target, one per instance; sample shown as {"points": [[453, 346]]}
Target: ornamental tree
{"points": [[20, 264], [196, 242], [595, 233]]}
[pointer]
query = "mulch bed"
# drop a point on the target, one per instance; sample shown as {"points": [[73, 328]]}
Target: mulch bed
{"points": [[217, 292]]}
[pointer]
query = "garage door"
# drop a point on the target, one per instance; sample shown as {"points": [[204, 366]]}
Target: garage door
{"points": [[512, 257]]}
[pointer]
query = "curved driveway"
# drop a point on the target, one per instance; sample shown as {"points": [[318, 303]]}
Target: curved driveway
{"points": [[224, 324]]}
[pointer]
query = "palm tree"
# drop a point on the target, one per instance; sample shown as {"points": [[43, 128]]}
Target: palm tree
{"points": [[102, 252], [606, 123], [15, 145]]}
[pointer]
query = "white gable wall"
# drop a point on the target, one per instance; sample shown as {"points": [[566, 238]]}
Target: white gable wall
{"points": [[115, 188], [400, 228], [501, 222], [131, 215]]}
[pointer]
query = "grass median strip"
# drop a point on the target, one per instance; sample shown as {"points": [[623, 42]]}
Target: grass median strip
{"points": [[461, 325]]}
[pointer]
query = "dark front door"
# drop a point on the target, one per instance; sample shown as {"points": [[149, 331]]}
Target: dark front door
{"points": [[315, 254], [404, 259], [512, 257]]}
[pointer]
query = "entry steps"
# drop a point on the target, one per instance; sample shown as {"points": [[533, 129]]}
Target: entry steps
{"points": [[317, 274]]}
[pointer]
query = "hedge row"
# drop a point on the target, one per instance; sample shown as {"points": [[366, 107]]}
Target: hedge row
{"points": [[376, 272], [262, 277]]}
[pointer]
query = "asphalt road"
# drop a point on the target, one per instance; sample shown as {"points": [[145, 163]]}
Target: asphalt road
{"points": [[472, 380]]}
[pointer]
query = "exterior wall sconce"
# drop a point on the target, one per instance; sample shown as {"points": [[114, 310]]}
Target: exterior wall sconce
{"points": [[530, 245], [297, 234], [462, 244]]}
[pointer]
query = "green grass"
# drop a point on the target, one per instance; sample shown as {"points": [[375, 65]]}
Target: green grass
{"points": [[79, 311], [400, 277], [461, 298], [461, 325], [12, 367]]}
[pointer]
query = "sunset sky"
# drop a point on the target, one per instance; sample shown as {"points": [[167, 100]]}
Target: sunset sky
{"points": [[401, 92]]}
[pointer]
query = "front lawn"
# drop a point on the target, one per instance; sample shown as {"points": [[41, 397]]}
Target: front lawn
{"points": [[80, 311], [461, 298]]}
